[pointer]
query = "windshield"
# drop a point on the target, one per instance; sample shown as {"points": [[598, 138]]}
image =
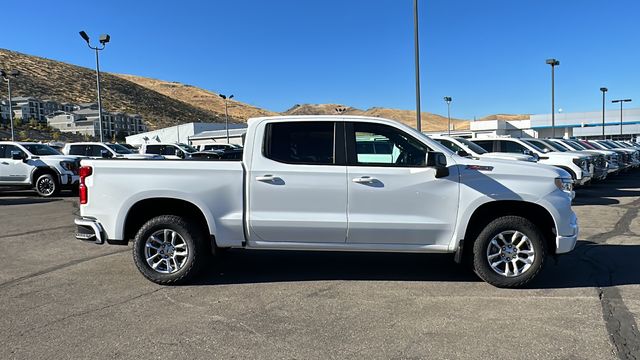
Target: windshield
{"points": [[538, 146], [604, 144], [187, 148], [472, 146], [576, 145], [41, 149], [119, 149], [556, 146]]}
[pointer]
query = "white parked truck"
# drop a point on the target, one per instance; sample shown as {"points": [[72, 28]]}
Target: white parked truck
{"points": [[98, 150], [37, 166], [305, 183]]}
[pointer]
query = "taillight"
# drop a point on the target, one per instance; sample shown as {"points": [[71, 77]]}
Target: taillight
{"points": [[84, 172]]}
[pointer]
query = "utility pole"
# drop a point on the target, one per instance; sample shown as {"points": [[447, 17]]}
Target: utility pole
{"points": [[417, 61], [553, 63], [226, 113], [104, 39], [7, 77]]}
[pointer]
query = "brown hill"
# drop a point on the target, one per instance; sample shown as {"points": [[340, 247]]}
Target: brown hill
{"points": [[62, 82], [200, 98], [507, 117], [430, 122]]}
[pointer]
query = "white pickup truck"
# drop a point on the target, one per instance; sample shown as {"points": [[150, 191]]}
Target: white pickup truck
{"points": [[306, 183]]}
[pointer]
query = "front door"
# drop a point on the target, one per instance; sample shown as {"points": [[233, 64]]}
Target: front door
{"points": [[393, 198], [297, 183], [14, 171]]}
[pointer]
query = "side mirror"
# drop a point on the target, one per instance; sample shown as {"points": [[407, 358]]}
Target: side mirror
{"points": [[106, 154], [17, 155], [527, 152], [179, 153], [438, 161], [462, 153]]}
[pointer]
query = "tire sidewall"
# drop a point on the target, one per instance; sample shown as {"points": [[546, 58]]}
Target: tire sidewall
{"points": [[56, 186], [481, 263], [178, 225]]}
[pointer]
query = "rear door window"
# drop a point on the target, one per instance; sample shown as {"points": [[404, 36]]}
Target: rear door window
{"points": [[485, 144], [78, 150], [300, 142]]}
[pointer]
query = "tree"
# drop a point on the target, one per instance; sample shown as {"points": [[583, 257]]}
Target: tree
{"points": [[55, 135], [23, 134]]}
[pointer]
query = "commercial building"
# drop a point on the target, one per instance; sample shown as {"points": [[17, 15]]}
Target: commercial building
{"points": [[83, 119], [180, 133], [579, 124], [236, 136]]}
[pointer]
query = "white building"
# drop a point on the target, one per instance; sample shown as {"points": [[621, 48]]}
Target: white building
{"points": [[179, 133], [83, 119], [236, 136]]}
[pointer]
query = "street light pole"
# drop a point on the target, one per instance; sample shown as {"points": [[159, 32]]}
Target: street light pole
{"points": [[7, 77], [621, 101], [553, 63], [416, 45], [604, 90], [447, 99], [226, 113], [104, 39]]}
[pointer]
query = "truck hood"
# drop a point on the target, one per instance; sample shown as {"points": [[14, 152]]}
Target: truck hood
{"points": [[139, 156], [50, 159], [563, 155], [494, 166], [508, 156]]}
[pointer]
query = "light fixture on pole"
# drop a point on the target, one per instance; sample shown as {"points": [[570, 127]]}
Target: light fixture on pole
{"points": [[416, 45], [104, 39], [553, 63], [7, 77], [447, 99], [621, 101], [226, 113], [604, 91]]}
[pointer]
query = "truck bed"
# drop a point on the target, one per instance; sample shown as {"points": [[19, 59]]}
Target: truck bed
{"points": [[216, 187]]}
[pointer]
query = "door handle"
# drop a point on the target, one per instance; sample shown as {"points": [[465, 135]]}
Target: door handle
{"points": [[5, 163], [363, 180], [267, 178]]}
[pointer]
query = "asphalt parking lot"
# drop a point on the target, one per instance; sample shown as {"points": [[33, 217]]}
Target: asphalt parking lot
{"points": [[62, 298]]}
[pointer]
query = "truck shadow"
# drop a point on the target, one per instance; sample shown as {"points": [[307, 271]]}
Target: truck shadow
{"points": [[604, 192], [589, 265], [25, 201]]}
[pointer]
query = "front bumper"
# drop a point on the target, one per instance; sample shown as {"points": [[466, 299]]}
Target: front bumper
{"points": [[583, 180], [69, 180], [89, 230], [566, 243]]}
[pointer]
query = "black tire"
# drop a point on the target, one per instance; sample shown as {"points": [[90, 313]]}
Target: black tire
{"points": [[192, 235], [481, 264], [46, 185]]}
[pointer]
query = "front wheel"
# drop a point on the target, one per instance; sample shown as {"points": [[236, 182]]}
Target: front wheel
{"points": [[509, 252], [46, 185], [169, 250]]}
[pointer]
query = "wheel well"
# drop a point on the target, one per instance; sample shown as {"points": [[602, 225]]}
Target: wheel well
{"points": [[571, 172], [41, 171], [145, 210], [495, 209]]}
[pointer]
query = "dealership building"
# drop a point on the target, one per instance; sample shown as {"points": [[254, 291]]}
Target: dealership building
{"points": [[578, 124]]}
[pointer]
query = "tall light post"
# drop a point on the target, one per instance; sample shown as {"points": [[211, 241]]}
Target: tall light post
{"points": [[553, 63], [416, 46], [226, 113], [604, 91], [447, 99], [104, 39], [621, 101], [7, 77]]}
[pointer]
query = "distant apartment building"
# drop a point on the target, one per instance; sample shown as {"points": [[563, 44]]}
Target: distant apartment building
{"points": [[27, 109], [83, 119]]}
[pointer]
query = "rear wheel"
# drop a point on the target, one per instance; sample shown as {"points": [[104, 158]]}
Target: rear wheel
{"points": [[46, 185], [509, 252], [169, 250]]}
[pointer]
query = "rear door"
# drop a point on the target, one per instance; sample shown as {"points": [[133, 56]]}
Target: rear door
{"points": [[396, 199], [297, 183]]}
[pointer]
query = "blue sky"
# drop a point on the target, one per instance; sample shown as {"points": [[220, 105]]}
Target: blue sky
{"points": [[488, 55]]}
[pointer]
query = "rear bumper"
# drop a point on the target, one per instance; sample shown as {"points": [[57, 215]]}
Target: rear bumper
{"points": [[89, 230]]}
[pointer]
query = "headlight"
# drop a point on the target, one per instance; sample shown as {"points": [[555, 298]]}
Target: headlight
{"points": [[565, 184], [69, 166]]}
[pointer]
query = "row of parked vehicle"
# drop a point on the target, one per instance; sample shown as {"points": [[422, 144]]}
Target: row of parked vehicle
{"points": [[51, 169], [584, 160]]}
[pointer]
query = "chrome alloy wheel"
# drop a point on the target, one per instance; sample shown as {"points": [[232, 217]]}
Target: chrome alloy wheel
{"points": [[46, 186], [166, 251], [510, 253]]}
